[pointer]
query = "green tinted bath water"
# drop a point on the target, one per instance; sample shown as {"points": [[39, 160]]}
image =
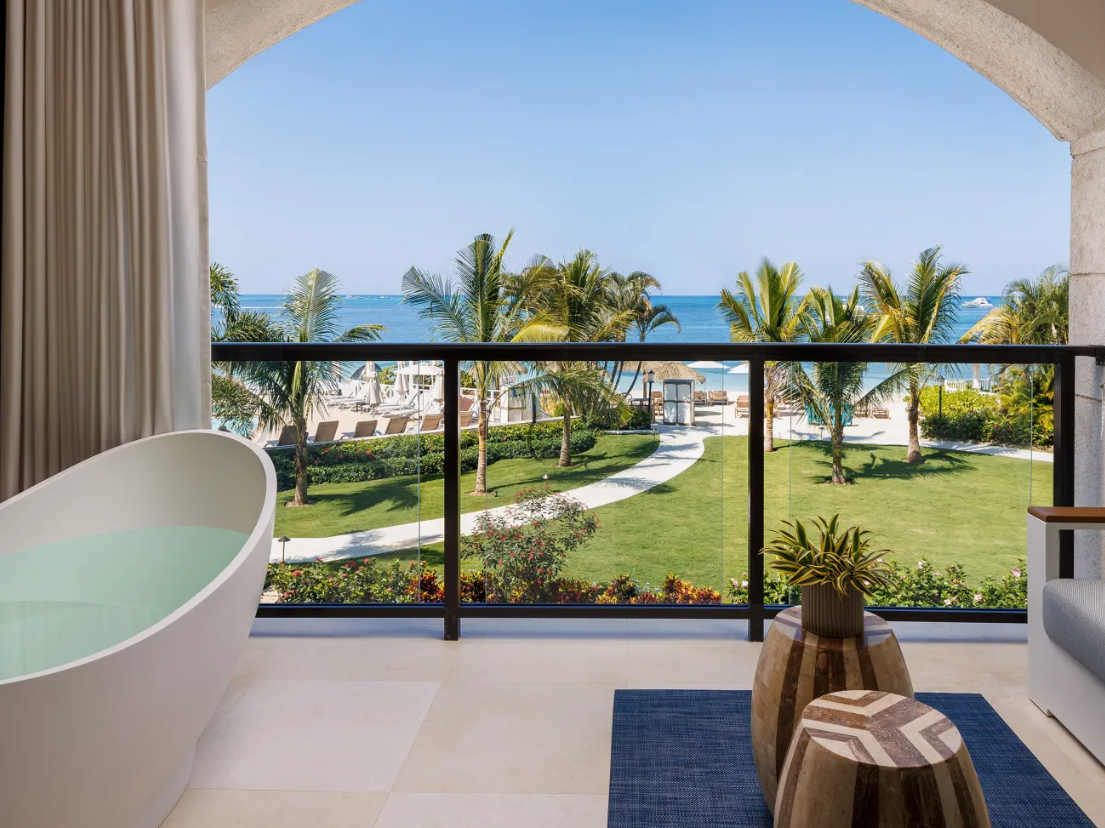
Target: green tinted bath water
{"points": [[63, 601]]}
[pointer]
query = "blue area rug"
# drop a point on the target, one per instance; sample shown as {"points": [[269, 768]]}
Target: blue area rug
{"points": [[683, 759]]}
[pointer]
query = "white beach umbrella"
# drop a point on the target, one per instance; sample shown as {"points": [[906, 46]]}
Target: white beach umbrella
{"points": [[705, 364], [437, 390], [740, 369], [402, 384], [373, 395]]}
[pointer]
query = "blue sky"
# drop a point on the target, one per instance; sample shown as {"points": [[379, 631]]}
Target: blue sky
{"points": [[687, 139]]}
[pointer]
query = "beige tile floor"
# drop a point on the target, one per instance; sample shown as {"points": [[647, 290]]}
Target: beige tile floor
{"points": [[380, 723]]}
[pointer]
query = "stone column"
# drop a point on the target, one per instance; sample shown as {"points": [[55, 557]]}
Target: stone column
{"points": [[1087, 327]]}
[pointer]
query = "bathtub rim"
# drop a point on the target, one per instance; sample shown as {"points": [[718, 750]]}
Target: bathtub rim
{"points": [[261, 527]]}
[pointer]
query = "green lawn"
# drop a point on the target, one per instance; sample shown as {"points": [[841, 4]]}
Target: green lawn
{"points": [[957, 508], [339, 508]]}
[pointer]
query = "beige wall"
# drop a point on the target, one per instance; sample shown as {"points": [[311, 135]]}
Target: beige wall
{"points": [[1075, 26]]}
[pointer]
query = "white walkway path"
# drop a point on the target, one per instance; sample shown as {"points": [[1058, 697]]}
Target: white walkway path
{"points": [[677, 451]]}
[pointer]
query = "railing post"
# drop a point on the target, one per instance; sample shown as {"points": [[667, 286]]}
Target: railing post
{"points": [[1062, 482], [452, 498], [755, 499]]}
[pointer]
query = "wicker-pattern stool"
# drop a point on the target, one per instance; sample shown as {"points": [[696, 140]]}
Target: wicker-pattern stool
{"points": [[866, 758], [796, 667]]}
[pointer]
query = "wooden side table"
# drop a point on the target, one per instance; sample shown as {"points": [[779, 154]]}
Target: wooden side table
{"points": [[869, 758], [795, 667]]}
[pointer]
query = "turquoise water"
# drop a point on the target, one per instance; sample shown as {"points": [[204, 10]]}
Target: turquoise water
{"points": [[63, 601], [698, 318]]}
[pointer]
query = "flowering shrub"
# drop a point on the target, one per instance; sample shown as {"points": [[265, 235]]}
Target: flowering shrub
{"points": [[920, 585], [524, 549], [362, 581]]}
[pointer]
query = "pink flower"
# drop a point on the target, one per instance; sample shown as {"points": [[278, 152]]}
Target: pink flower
{"points": [[1016, 572], [297, 573], [978, 597]]}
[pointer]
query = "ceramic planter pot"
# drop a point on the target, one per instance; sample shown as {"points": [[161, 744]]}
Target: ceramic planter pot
{"points": [[826, 612]]}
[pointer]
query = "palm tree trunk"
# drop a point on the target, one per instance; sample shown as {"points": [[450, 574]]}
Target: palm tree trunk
{"points": [[838, 450], [566, 439], [481, 462], [301, 463], [769, 425], [769, 409], [633, 382], [914, 454]]}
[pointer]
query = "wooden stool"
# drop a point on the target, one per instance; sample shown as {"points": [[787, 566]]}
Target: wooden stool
{"points": [[867, 758], [796, 667]]}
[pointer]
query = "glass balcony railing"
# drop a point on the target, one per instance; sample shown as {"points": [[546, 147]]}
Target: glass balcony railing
{"points": [[625, 480]]}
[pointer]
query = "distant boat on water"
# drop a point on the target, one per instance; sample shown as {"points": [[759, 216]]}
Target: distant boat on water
{"points": [[980, 302]]}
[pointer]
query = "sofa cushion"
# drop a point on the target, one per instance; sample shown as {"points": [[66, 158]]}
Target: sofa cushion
{"points": [[1074, 618]]}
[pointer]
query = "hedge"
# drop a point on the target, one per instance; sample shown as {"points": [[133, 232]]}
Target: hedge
{"points": [[972, 415], [370, 580], [363, 460]]}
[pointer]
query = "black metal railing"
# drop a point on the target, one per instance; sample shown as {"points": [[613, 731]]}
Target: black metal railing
{"points": [[453, 355]]}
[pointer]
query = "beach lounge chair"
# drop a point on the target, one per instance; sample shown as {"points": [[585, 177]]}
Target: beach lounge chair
{"points": [[431, 422], [700, 398], [325, 432], [466, 418], [466, 403], [365, 428], [396, 425], [742, 405], [880, 413], [718, 397], [286, 438]]}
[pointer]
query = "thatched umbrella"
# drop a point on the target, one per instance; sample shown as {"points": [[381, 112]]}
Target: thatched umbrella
{"points": [[666, 371]]}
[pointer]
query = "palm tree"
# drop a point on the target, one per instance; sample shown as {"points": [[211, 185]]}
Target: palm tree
{"points": [[483, 303], [232, 402], [631, 293], [922, 311], [833, 390], [574, 306], [1032, 312], [766, 308], [293, 391]]}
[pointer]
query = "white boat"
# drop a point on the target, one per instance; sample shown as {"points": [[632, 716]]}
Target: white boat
{"points": [[980, 302]]}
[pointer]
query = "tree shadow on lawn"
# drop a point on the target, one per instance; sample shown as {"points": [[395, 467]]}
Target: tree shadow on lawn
{"points": [[938, 463], [403, 493]]}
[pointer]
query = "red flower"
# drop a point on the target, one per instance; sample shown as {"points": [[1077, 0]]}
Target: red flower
{"points": [[297, 573]]}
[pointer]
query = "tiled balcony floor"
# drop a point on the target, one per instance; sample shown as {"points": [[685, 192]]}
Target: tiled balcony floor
{"points": [[374, 723]]}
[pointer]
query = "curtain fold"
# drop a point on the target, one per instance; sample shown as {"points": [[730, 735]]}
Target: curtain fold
{"points": [[104, 300]]}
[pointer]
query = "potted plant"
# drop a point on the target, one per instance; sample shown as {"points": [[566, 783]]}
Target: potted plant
{"points": [[835, 571]]}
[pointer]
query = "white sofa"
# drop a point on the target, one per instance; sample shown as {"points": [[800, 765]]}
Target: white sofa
{"points": [[1066, 635]]}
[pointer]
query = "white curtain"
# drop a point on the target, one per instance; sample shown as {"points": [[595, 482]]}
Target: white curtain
{"points": [[104, 298]]}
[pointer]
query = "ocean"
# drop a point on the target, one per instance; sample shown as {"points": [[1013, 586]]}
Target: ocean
{"points": [[698, 318]]}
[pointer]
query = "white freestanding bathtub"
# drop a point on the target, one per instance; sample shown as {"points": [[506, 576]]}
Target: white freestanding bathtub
{"points": [[127, 587]]}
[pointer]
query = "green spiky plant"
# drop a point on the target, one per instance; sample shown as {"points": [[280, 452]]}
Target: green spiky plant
{"points": [[842, 559]]}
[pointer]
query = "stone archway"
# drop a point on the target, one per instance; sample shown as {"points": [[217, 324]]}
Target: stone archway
{"points": [[992, 37], [1065, 97]]}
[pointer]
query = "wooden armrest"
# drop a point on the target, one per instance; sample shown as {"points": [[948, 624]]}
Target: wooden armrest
{"points": [[1068, 514]]}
